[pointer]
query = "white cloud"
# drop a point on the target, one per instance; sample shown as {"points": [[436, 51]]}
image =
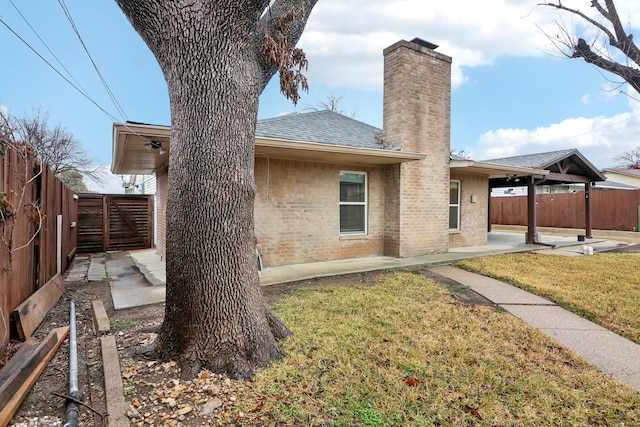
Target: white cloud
{"points": [[600, 139], [344, 40], [585, 98]]}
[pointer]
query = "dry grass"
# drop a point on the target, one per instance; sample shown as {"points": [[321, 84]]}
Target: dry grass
{"points": [[603, 288], [404, 353]]}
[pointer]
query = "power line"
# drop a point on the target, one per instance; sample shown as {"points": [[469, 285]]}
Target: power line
{"points": [[58, 72], [95, 66], [72, 84], [46, 46]]}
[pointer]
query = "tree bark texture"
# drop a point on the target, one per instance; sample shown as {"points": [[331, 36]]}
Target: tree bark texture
{"points": [[215, 316]]}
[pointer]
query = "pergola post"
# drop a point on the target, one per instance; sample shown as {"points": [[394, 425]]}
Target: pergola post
{"points": [[489, 211], [531, 210], [587, 210]]}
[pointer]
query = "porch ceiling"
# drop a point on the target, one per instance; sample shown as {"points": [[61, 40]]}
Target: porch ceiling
{"points": [[135, 150]]}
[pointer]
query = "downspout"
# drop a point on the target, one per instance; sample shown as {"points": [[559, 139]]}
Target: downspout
{"points": [[73, 412]]}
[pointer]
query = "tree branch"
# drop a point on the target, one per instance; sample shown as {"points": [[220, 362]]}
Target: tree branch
{"points": [[269, 23], [618, 39], [629, 74], [591, 21]]}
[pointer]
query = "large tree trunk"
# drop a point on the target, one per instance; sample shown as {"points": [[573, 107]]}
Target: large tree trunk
{"points": [[215, 316]]}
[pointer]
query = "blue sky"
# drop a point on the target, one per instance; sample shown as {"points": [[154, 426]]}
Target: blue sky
{"points": [[510, 95]]}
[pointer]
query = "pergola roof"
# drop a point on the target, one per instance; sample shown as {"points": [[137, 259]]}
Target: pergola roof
{"points": [[564, 166]]}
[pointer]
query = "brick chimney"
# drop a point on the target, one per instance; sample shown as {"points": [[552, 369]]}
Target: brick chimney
{"points": [[417, 115]]}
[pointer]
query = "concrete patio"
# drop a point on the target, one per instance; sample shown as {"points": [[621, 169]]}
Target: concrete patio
{"points": [[148, 286]]}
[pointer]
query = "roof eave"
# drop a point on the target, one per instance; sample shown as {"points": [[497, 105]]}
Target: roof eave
{"points": [[328, 153], [494, 170]]}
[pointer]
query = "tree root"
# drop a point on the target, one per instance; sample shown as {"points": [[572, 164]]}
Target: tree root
{"points": [[278, 329]]}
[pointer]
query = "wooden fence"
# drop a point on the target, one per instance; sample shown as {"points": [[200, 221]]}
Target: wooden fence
{"points": [[610, 210], [114, 222], [38, 231]]}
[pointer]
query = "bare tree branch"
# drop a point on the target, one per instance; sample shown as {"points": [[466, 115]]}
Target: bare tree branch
{"points": [[54, 146], [332, 102], [611, 26], [629, 159]]}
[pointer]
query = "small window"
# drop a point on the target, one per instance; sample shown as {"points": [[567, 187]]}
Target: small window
{"points": [[454, 205], [353, 203]]}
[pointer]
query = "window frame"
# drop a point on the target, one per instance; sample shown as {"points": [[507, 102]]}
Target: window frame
{"points": [[364, 203], [457, 205]]}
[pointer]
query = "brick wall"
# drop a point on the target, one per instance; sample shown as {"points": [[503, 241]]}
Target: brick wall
{"points": [[473, 216], [392, 211], [297, 212], [417, 110]]}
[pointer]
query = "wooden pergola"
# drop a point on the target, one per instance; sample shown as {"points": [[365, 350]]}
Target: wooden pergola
{"points": [[565, 167]]}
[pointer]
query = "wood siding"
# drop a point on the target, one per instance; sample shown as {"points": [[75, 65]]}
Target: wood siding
{"points": [[28, 255], [611, 210], [115, 222]]}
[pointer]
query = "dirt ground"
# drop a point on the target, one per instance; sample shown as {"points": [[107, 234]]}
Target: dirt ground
{"points": [[152, 390]]}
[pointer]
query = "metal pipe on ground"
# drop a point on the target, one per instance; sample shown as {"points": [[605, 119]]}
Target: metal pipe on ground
{"points": [[73, 411]]}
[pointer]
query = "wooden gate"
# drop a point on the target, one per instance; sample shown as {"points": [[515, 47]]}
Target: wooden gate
{"points": [[111, 222]]}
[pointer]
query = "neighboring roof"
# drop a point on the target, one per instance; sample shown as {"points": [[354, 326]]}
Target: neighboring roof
{"points": [[564, 166], [613, 185], [635, 173], [324, 127]]}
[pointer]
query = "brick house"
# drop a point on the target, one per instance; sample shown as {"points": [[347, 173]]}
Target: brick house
{"points": [[329, 187]]}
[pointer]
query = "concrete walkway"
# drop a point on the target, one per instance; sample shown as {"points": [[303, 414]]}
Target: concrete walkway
{"points": [[600, 347]]}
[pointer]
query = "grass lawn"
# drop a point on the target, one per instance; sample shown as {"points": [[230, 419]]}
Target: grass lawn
{"points": [[604, 288], [404, 352]]}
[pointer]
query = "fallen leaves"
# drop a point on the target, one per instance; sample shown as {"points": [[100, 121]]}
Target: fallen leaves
{"points": [[168, 401], [473, 411], [412, 381]]}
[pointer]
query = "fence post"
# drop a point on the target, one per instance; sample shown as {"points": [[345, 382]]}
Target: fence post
{"points": [[59, 244]]}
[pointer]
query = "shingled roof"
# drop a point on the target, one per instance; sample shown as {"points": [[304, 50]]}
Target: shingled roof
{"points": [[565, 165], [324, 127]]}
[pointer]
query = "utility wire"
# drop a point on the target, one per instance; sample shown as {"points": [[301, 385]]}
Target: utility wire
{"points": [[72, 84], [95, 66], [58, 72], [47, 46]]}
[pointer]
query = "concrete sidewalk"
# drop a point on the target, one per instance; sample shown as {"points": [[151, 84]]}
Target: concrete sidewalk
{"points": [[600, 347]]}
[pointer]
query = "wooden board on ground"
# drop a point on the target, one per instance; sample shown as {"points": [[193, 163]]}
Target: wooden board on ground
{"points": [[21, 370], [30, 313], [13, 404], [14, 363]]}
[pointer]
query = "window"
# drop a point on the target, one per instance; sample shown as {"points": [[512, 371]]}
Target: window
{"points": [[454, 205], [353, 203]]}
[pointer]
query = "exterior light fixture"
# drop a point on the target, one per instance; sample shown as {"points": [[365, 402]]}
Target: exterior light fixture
{"points": [[155, 146]]}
